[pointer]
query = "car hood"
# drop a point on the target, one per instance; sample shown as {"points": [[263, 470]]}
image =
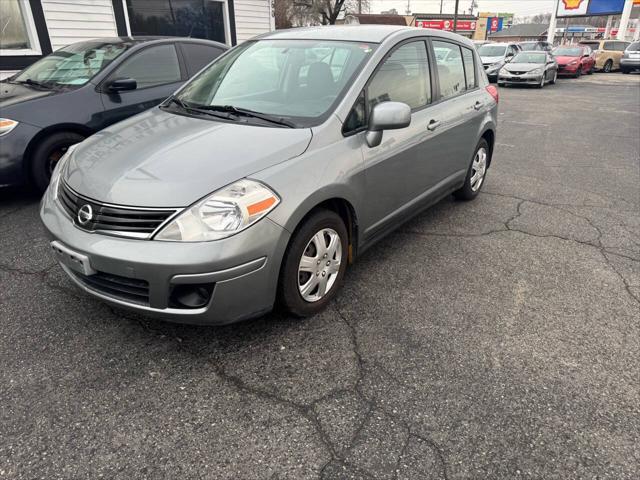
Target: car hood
{"points": [[523, 67], [161, 159], [487, 60], [563, 60], [12, 93]]}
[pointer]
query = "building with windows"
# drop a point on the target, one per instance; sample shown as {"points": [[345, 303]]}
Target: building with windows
{"points": [[31, 29]]}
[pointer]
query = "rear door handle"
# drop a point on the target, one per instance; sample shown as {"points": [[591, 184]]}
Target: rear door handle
{"points": [[478, 105], [433, 124]]}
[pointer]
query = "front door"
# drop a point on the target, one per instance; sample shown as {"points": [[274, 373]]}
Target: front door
{"points": [[156, 70]]}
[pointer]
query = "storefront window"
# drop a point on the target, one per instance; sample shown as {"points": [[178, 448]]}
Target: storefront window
{"points": [[13, 26], [182, 18]]}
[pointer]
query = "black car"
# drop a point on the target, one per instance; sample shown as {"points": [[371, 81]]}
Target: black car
{"points": [[82, 88]]}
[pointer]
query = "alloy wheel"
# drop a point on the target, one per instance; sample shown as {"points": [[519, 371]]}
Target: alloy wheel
{"points": [[54, 157], [478, 169], [320, 264]]}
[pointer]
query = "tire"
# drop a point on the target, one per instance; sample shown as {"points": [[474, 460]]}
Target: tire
{"points": [[625, 71], [608, 66], [293, 278], [578, 72], [542, 82], [591, 70], [555, 78], [468, 190], [46, 156]]}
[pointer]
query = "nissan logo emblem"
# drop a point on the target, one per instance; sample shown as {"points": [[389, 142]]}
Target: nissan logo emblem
{"points": [[85, 214]]}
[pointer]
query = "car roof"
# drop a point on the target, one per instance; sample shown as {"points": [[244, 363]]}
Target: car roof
{"points": [[138, 40], [356, 33]]}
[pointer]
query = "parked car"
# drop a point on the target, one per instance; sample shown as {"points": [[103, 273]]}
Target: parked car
{"points": [[607, 53], [271, 170], [574, 60], [82, 88], [630, 60], [530, 68], [535, 46], [495, 55]]}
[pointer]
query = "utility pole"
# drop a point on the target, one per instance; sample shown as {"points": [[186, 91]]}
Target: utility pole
{"points": [[455, 18], [441, 2], [551, 32]]}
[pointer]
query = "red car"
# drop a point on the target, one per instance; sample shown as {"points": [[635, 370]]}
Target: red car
{"points": [[574, 60]]}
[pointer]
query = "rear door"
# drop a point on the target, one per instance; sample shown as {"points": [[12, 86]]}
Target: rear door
{"points": [[158, 74]]}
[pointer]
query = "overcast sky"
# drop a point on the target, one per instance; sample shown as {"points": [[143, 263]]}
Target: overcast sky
{"points": [[519, 7]]}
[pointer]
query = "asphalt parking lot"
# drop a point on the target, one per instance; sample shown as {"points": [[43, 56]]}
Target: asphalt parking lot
{"points": [[493, 339]]}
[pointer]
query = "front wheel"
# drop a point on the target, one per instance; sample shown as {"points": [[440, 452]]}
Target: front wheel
{"points": [[608, 66], [46, 155], [541, 84], [314, 264], [476, 173], [555, 78]]}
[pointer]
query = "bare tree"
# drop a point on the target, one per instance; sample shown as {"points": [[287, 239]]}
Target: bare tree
{"points": [[326, 12]]}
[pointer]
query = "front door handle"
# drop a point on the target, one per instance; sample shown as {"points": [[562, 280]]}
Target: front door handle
{"points": [[433, 124], [478, 105]]}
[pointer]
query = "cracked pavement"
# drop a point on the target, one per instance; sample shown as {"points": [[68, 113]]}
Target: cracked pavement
{"points": [[493, 339]]}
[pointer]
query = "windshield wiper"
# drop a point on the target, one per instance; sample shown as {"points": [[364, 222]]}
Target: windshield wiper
{"points": [[249, 113], [35, 83], [202, 111]]}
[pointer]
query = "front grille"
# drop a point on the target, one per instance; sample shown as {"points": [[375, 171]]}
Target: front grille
{"points": [[116, 220], [516, 73], [130, 290]]}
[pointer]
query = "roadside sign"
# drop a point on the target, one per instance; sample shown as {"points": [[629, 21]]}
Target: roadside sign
{"points": [[583, 8], [463, 25]]}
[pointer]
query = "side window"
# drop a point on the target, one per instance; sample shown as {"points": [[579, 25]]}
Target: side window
{"points": [[152, 66], [622, 46], [402, 77], [469, 67], [357, 116], [450, 68], [197, 56], [609, 46]]}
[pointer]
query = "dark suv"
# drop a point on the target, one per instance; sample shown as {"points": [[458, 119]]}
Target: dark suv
{"points": [[82, 88]]}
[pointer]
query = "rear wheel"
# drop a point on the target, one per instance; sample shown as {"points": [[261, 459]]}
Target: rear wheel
{"points": [[476, 174], [624, 70], [46, 155], [608, 66], [314, 264]]}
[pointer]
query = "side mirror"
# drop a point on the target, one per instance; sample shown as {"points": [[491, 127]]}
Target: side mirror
{"points": [[387, 116], [122, 84]]}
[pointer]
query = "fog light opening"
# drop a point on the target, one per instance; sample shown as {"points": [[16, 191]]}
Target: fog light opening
{"points": [[191, 295]]}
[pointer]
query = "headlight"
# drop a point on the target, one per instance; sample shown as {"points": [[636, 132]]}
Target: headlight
{"points": [[7, 125], [57, 171], [221, 214], [536, 71]]}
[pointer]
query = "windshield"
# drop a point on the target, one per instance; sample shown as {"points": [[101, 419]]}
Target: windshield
{"points": [[492, 50], [294, 79], [567, 52], [72, 65], [529, 57], [531, 46]]}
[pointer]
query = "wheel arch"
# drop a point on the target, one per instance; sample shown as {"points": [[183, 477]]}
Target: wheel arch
{"points": [[490, 136], [46, 132]]}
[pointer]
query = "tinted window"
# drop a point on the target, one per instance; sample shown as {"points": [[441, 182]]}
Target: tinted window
{"points": [[402, 77], [150, 67], [634, 47], [609, 45], [621, 46], [179, 18], [450, 68], [197, 56], [469, 67]]}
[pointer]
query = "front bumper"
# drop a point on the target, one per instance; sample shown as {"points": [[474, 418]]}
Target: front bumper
{"points": [[525, 79], [242, 270], [568, 69], [13, 171]]}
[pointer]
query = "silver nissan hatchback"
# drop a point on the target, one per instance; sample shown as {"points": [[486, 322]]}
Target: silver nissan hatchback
{"points": [[260, 180]]}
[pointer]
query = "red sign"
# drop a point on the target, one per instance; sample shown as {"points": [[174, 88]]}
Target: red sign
{"points": [[463, 25]]}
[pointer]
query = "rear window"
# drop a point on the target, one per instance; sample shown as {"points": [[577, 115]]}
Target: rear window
{"points": [[634, 47]]}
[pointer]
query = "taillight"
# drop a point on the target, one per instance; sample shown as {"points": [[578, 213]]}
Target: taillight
{"points": [[493, 91]]}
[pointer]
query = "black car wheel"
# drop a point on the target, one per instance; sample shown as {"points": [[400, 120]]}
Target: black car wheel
{"points": [[608, 66], [46, 155]]}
